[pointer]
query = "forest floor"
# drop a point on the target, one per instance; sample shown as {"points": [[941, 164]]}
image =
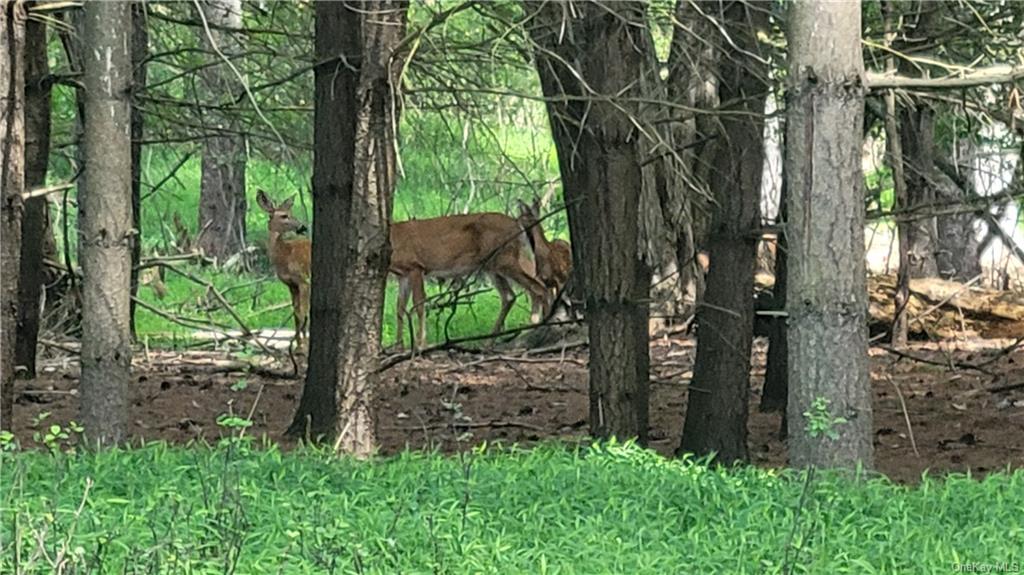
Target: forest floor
{"points": [[455, 400]]}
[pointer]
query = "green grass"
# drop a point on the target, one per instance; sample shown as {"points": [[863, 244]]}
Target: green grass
{"points": [[612, 509]]}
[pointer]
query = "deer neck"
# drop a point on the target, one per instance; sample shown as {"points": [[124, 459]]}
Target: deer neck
{"points": [[273, 242], [538, 241]]}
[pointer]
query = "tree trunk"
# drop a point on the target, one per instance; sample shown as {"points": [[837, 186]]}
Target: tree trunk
{"points": [[12, 184], [222, 202], [692, 82], [601, 175], [105, 223], [35, 223], [662, 205], [917, 140], [140, 51], [354, 182], [827, 291], [716, 413], [337, 33], [959, 251]]}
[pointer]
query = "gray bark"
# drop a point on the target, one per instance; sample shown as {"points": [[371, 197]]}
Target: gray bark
{"points": [[222, 201], [105, 222], [12, 184], [827, 291]]}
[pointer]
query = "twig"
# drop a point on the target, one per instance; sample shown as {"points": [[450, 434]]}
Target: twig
{"points": [[945, 300], [951, 363], [1002, 388], [223, 302], [467, 424], [906, 416], [510, 359]]}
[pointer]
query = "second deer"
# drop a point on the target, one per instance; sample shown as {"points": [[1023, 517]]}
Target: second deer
{"points": [[554, 259]]}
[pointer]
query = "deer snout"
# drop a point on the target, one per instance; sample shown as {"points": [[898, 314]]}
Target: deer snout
{"points": [[301, 229]]}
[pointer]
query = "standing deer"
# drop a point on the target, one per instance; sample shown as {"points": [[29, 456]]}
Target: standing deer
{"points": [[554, 259], [289, 257], [457, 246]]}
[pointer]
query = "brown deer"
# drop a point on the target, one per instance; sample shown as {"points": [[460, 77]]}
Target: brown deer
{"points": [[553, 259], [457, 246], [289, 257]]}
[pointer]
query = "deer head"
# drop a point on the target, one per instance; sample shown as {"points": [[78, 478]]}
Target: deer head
{"points": [[280, 219]]}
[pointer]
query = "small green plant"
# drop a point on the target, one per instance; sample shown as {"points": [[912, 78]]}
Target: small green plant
{"points": [[233, 422], [7, 441], [820, 420], [240, 385], [58, 438]]}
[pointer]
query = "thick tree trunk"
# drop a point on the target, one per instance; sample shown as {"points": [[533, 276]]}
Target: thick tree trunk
{"points": [[35, 224], [140, 51], [336, 80], [827, 291], [716, 413], [222, 202], [356, 118], [12, 184], [601, 176], [105, 223]]}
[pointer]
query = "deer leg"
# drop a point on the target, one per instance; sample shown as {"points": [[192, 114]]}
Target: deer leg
{"points": [[539, 295], [303, 311], [419, 302], [401, 305], [296, 306], [508, 297]]}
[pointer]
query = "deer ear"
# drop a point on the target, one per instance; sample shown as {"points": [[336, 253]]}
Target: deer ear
{"points": [[524, 210], [287, 204], [264, 202]]}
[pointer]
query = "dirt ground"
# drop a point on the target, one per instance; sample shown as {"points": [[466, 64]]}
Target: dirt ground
{"points": [[456, 400]]}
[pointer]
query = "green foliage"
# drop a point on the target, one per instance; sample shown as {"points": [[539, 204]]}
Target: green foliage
{"points": [[820, 421], [608, 508]]}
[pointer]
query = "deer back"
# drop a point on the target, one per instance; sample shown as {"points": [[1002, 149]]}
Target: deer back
{"points": [[458, 245]]}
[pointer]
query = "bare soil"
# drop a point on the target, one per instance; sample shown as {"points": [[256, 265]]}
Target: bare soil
{"points": [[452, 401]]}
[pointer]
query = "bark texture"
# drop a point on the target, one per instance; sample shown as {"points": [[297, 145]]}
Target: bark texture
{"points": [[222, 202], [716, 412], [589, 67], [12, 183], [36, 236], [105, 222], [337, 33], [354, 181], [827, 292]]}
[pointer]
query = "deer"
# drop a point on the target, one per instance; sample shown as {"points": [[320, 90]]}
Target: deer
{"points": [[553, 259], [290, 258], [457, 246]]}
